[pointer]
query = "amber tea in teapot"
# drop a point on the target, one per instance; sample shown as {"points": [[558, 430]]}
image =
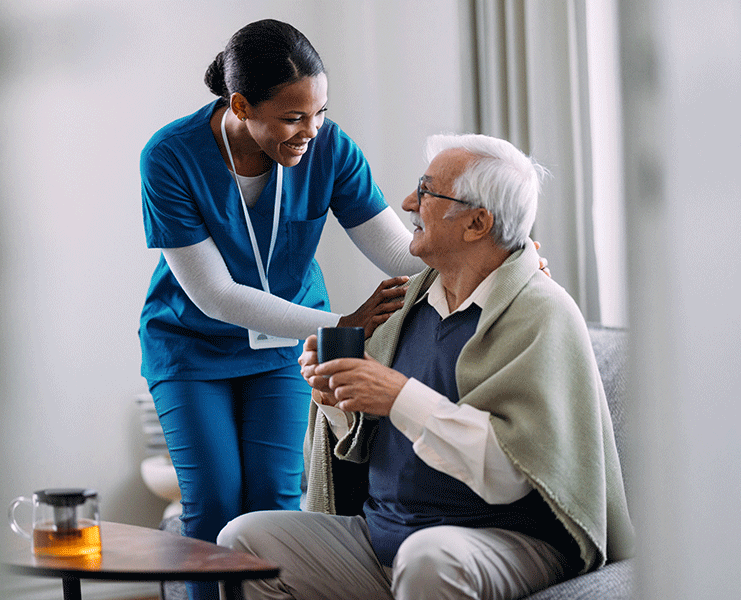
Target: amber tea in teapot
{"points": [[50, 541], [66, 522]]}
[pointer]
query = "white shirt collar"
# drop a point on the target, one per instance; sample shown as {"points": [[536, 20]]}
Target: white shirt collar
{"points": [[436, 296]]}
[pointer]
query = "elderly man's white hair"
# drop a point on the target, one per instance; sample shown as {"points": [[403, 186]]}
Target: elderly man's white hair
{"points": [[502, 179]]}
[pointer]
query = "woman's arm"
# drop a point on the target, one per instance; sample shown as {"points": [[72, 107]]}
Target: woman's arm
{"points": [[385, 241], [202, 273]]}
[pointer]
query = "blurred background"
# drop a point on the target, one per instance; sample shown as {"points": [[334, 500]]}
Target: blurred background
{"points": [[632, 105]]}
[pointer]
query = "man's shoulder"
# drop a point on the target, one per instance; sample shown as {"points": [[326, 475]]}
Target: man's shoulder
{"points": [[541, 328], [544, 295], [541, 310]]}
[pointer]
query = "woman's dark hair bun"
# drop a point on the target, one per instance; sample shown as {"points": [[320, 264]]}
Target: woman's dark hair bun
{"points": [[214, 77], [259, 59]]}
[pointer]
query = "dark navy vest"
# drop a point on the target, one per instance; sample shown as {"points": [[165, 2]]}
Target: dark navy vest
{"points": [[405, 493]]}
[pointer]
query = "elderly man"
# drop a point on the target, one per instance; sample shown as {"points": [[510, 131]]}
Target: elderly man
{"points": [[477, 418]]}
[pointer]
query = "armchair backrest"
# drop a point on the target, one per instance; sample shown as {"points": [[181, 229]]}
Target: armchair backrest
{"points": [[610, 346]]}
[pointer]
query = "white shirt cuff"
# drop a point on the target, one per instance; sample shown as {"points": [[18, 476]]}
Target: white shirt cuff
{"points": [[415, 403], [339, 420]]}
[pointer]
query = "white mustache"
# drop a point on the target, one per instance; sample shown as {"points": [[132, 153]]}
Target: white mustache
{"points": [[417, 221]]}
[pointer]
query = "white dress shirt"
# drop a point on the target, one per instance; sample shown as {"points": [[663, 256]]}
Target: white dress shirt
{"points": [[453, 438]]}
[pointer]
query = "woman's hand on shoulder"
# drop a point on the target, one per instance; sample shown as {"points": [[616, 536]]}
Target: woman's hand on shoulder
{"points": [[384, 302], [543, 261]]}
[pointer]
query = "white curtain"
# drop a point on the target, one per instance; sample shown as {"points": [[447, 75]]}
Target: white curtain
{"points": [[533, 63]]}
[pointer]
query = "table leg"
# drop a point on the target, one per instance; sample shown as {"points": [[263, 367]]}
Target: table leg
{"points": [[233, 589], [71, 588]]}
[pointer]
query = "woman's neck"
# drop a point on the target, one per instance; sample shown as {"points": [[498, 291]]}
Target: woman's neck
{"points": [[249, 159]]}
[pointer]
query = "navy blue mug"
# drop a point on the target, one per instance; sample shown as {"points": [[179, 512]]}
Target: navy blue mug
{"points": [[340, 342]]}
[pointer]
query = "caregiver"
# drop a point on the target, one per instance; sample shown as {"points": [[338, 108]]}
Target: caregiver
{"points": [[236, 195]]}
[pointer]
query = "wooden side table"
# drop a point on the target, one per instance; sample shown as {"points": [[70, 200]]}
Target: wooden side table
{"points": [[133, 553]]}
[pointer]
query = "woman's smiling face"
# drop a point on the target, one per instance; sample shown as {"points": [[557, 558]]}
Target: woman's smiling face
{"points": [[284, 125]]}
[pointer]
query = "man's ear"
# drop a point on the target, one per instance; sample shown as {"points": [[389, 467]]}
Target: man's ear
{"points": [[479, 225]]}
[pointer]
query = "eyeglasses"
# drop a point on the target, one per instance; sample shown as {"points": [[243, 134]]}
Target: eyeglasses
{"points": [[421, 192]]}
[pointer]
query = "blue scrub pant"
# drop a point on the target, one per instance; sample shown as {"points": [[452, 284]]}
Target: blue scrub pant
{"points": [[236, 445]]}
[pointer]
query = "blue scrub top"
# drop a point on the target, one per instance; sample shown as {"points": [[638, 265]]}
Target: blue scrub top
{"points": [[188, 194]]}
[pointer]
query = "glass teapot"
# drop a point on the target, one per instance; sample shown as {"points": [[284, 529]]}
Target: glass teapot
{"points": [[65, 522]]}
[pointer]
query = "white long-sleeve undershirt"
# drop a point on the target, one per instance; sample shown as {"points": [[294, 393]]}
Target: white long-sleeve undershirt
{"points": [[385, 242], [202, 273]]}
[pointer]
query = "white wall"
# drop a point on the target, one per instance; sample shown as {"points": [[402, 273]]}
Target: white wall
{"points": [[83, 84]]}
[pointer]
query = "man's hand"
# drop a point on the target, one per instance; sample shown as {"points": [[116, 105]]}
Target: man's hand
{"points": [[362, 384], [351, 384], [384, 302], [309, 361]]}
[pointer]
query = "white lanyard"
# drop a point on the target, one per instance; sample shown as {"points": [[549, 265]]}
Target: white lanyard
{"points": [[262, 270], [260, 340]]}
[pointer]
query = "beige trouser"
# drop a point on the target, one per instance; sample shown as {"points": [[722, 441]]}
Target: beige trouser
{"points": [[325, 557]]}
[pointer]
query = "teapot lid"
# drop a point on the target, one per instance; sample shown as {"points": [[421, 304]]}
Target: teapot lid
{"points": [[65, 496]]}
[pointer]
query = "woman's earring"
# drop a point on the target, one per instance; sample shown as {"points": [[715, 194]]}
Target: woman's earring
{"points": [[242, 118]]}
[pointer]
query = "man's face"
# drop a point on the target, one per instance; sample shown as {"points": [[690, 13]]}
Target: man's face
{"points": [[435, 239]]}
